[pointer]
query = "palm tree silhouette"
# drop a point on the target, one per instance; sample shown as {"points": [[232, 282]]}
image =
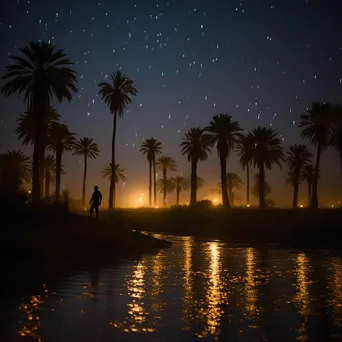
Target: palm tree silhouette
{"points": [[180, 184], [50, 173], [256, 187], [15, 169], [224, 132], [165, 187], [165, 164], [318, 127], [267, 151], [297, 158], [119, 173], [151, 148], [244, 149], [308, 175], [196, 146], [234, 181], [40, 75], [116, 95], [87, 148], [26, 132], [60, 140]]}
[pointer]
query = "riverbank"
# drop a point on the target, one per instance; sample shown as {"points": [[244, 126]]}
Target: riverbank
{"points": [[293, 228], [42, 243]]}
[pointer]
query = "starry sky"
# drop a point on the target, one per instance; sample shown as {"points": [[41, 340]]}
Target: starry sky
{"points": [[261, 61]]}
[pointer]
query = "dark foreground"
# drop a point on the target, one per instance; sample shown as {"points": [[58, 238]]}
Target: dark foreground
{"points": [[292, 228], [42, 243]]}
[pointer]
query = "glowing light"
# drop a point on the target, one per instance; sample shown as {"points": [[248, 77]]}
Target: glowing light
{"points": [[302, 206], [332, 206], [215, 201], [248, 205]]}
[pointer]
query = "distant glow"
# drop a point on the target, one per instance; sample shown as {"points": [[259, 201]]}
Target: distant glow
{"points": [[302, 206], [248, 205]]}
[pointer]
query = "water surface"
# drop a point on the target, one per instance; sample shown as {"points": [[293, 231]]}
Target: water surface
{"points": [[197, 289]]}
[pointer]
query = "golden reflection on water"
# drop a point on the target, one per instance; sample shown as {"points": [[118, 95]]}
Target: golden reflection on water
{"points": [[250, 285], [214, 294], [302, 298], [31, 308], [157, 286], [336, 285]]}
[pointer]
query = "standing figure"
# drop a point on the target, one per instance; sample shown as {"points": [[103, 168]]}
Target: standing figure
{"points": [[95, 201]]}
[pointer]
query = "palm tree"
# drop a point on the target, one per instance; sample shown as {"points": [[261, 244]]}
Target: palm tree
{"points": [[200, 182], [196, 146], [60, 140], [180, 184], [297, 158], [26, 132], [119, 173], [267, 151], [165, 187], [244, 149], [256, 187], [151, 148], [224, 132], [233, 181], [116, 95], [165, 164], [15, 169], [318, 127], [50, 173], [40, 75], [308, 174], [87, 148]]}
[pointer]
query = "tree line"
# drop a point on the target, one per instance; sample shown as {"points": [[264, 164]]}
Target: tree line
{"points": [[44, 74]]}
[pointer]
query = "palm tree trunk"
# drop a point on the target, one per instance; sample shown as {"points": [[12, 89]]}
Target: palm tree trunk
{"points": [[165, 186], [47, 185], [154, 182], [58, 173], [223, 165], [247, 196], [193, 195], [314, 198], [41, 169], [177, 195], [35, 169], [309, 192], [150, 184], [84, 179], [295, 189], [261, 186], [111, 202]]}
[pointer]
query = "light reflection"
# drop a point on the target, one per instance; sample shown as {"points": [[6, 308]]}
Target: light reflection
{"points": [[250, 284], [157, 285], [302, 298], [31, 309], [215, 295], [336, 285]]}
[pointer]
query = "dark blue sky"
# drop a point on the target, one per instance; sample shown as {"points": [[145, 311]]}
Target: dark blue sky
{"points": [[263, 62]]}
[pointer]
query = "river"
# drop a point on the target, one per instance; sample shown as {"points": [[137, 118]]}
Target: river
{"points": [[197, 289]]}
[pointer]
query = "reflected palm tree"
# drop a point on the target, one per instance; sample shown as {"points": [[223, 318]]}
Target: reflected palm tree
{"points": [[157, 287], [250, 285]]}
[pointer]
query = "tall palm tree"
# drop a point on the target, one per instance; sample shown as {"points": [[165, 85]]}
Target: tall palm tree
{"points": [[318, 127], [165, 164], [196, 146], [256, 187], [15, 169], [244, 149], [151, 147], [26, 132], [308, 175], [87, 148], [50, 173], [180, 184], [41, 74], [234, 181], [267, 151], [165, 187], [224, 132], [60, 140], [298, 156], [116, 95], [119, 173]]}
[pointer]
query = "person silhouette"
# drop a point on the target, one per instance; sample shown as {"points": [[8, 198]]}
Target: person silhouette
{"points": [[95, 201]]}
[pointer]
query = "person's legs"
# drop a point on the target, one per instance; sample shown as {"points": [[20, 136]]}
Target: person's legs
{"points": [[91, 209], [97, 210]]}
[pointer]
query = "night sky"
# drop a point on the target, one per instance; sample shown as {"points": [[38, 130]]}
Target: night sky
{"points": [[263, 62]]}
